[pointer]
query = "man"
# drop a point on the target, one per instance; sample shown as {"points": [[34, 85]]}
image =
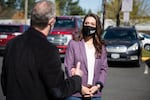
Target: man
{"points": [[32, 67]]}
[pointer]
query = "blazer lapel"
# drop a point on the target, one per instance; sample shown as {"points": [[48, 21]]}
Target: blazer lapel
{"points": [[83, 53], [95, 65]]}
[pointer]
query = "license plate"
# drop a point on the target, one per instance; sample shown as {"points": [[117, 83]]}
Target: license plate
{"points": [[115, 56], [3, 36]]}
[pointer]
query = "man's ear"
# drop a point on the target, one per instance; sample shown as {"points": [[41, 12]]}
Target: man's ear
{"points": [[52, 21]]}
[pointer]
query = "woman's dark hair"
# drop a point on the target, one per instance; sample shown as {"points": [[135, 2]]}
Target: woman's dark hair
{"points": [[97, 37]]}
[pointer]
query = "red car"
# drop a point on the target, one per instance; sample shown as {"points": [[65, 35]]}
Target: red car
{"points": [[65, 29], [9, 31]]}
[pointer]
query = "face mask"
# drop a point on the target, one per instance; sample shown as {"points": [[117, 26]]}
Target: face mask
{"points": [[88, 30]]}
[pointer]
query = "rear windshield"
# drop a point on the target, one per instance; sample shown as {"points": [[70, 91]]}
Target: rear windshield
{"points": [[4, 28], [64, 23], [120, 34]]}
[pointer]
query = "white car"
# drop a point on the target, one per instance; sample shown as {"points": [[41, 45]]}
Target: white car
{"points": [[145, 41]]}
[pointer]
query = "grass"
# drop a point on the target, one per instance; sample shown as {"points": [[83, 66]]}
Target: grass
{"points": [[145, 53]]}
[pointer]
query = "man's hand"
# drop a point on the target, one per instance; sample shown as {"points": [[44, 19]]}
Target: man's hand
{"points": [[77, 70]]}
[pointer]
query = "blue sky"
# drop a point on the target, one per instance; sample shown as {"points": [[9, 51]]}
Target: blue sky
{"points": [[94, 5]]}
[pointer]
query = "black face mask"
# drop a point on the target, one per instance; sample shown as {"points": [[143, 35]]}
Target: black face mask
{"points": [[88, 30]]}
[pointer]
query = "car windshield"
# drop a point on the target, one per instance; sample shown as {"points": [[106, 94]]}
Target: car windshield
{"points": [[119, 34], [64, 23], [5, 28]]}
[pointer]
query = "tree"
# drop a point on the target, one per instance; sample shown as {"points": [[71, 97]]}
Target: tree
{"points": [[60, 6], [1, 6], [11, 9], [68, 7], [89, 11], [140, 10], [74, 9]]}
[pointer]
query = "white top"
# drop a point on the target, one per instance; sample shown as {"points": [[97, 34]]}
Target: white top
{"points": [[90, 53]]}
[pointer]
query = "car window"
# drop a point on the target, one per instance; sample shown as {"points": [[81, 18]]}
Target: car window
{"points": [[65, 23], [79, 22], [5, 28], [119, 34], [146, 35]]}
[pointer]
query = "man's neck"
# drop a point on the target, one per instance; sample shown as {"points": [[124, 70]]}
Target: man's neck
{"points": [[44, 31]]}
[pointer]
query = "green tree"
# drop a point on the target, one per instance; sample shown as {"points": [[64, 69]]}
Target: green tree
{"points": [[140, 9], [75, 9], [60, 6], [1, 5], [68, 7], [30, 4], [10, 7], [6, 9], [89, 11]]}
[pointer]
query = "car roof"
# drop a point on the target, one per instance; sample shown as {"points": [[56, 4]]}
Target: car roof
{"points": [[68, 17], [121, 28]]}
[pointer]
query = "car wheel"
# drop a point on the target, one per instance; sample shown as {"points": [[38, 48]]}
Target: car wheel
{"points": [[147, 47], [138, 63]]}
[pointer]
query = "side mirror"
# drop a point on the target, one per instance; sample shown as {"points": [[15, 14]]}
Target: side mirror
{"points": [[141, 38]]}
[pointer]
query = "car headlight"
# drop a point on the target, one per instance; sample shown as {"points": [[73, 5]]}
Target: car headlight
{"points": [[133, 47], [17, 33], [59, 39], [68, 38]]}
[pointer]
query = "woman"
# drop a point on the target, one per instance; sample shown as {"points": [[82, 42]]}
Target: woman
{"points": [[90, 51]]}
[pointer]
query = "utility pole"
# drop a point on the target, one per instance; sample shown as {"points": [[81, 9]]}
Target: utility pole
{"points": [[118, 13], [26, 12], [104, 11]]}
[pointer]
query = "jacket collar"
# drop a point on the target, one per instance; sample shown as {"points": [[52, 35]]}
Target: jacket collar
{"points": [[32, 30]]}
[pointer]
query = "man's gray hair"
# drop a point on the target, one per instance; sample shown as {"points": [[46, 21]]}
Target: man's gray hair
{"points": [[42, 12]]}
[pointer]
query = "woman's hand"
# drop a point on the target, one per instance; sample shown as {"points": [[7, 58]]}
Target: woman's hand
{"points": [[94, 89], [86, 92]]}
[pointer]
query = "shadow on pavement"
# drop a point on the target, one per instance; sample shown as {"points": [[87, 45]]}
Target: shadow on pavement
{"points": [[121, 64]]}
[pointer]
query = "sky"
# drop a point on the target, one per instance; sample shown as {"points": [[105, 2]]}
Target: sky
{"points": [[94, 5]]}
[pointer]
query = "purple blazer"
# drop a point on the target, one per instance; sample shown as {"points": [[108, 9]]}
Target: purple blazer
{"points": [[76, 52]]}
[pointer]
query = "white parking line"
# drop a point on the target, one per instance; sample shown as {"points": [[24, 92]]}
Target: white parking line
{"points": [[146, 70]]}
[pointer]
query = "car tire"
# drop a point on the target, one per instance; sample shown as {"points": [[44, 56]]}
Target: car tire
{"points": [[147, 47], [138, 62]]}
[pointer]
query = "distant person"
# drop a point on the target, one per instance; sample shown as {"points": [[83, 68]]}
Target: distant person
{"points": [[31, 67], [91, 52]]}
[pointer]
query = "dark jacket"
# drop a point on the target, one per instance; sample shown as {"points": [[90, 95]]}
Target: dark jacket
{"points": [[32, 70]]}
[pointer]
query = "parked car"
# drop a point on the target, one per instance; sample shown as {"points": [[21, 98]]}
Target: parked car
{"points": [[65, 29], [145, 41], [9, 31], [123, 44]]}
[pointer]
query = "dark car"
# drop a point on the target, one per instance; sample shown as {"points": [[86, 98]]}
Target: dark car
{"points": [[65, 29], [9, 31], [123, 44]]}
